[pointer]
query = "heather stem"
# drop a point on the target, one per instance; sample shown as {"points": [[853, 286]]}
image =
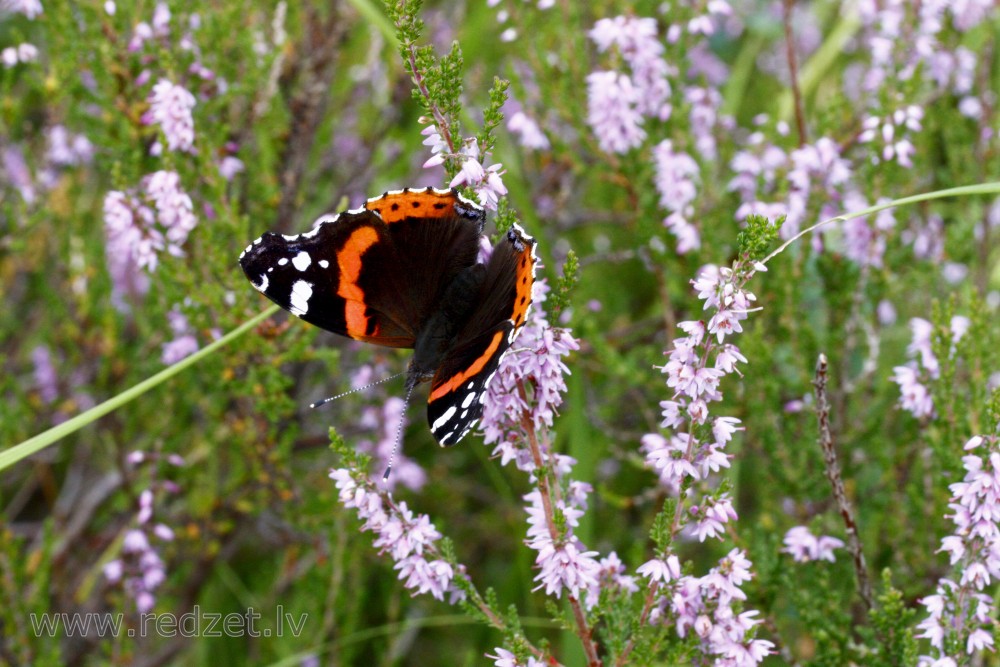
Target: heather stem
{"points": [[833, 474], [545, 486], [439, 119]]}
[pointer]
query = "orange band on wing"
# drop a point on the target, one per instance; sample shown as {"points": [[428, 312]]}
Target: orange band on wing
{"points": [[522, 287], [402, 205], [456, 381], [349, 262]]}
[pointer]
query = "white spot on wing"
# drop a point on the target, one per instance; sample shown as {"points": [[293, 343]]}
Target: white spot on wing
{"points": [[294, 237], [325, 264], [282, 261], [262, 287], [301, 292], [302, 261], [468, 399]]}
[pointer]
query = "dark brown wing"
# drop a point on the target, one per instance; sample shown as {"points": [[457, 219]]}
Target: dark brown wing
{"points": [[458, 389], [373, 273]]}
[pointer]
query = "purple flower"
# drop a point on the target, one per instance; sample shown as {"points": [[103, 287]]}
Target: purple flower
{"points": [[661, 570], [528, 132], [185, 344], [676, 180], [805, 547], [485, 181], [612, 112], [406, 537], [30, 8], [46, 378], [962, 613], [637, 41], [566, 568], [535, 362], [170, 106]]}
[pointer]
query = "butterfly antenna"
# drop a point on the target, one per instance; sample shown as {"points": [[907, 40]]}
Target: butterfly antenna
{"points": [[399, 432], [348, 393]]}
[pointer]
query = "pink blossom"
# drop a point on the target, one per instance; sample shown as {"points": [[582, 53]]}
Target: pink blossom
{"points": [[805, 547], [612, 111], [170, 106]]}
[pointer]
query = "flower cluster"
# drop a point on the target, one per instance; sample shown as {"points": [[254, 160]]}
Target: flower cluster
{"points": [[409, 539], [527, 131], [388, 420], [485, 181], [170, 105], [695, 450], [563, 562], [184, 343], [140, 570], [618, 102], [894, 132], [677, 175], [960, 614], [695, 381], [912, 378], [30, 8], [141, 224], [804, 547], [535, 361], [704, 606], [22, 53]]}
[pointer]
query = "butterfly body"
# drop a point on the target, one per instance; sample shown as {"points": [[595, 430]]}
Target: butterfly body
{"points": [[401, 271]]}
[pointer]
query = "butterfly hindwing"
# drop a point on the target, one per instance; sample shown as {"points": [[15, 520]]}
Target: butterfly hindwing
{"points": [[372, 273], [459, 386]]}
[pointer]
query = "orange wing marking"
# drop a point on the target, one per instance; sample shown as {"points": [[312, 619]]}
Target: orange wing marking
{"points": [[349, 262], [456, 382], [525, 279], [397, 206]]}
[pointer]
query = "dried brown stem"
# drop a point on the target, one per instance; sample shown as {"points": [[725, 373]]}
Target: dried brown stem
{"points": [[793, 70], [833, 474], [316, 70]]}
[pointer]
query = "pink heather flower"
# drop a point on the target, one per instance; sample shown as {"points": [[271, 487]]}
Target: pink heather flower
{"points": [[230, 166], [22, 53], [676, 181], [66, 149], [170, 106], [535, 361], [914, 396], [174, 210], [184, 345], [962, 613], [612, 112], [636, 39], [566, 568], [661, 570], [528, 132], [30, 8], [407, 538], [505, 658], [805, 547], [485, 181], [46, 378]]}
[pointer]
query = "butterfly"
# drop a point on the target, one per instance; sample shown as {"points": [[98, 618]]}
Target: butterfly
{"points": [[402, 271]]}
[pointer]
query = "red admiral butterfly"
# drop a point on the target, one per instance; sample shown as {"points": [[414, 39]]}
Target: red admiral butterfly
{"points": [[401, 271]]}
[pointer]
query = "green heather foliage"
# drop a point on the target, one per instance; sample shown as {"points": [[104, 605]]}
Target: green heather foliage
{"points": [[640, 161]]}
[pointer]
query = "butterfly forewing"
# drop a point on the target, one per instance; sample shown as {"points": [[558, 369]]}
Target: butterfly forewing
{"points": [[369, 278]]}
